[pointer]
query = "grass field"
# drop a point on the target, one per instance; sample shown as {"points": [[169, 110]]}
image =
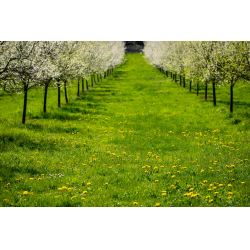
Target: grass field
{"points": [[135, 139]]}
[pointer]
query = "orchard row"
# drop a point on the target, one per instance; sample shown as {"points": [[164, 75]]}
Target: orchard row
{"points": [[24, 65], [205, 62]]}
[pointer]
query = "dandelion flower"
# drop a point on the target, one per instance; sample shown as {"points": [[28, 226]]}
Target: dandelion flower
{"points": [[211, 200], [88, 183], [25, 192], [156, 180], [230, 185], [242, 182], [135, 203], [220, 185], [60, 189], [164, 193], [230, 197], [157, 204], [173, 176], [82, 198], [207, 197]]}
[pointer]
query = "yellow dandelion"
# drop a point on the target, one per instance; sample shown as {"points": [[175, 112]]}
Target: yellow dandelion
{"points": [[230, 185], [60, 189], [220, 185], [230, 197], [242, 182], [207, 197], [88, 183], [25, 192], [156, 180], [173, 176], [82, 198], [135, 203], [157, 204], [211, 200]]}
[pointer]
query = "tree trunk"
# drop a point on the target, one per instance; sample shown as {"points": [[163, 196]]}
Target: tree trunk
{"points": [[87, 85], [59, 94], [25, 102], [231, 98], [190, 85], [205, 91], [180, 80], [78, 87], [45, 97], [92, 83], [197, 88], [82, 85], [101, 77], [214, 96], [184, 82], [175, 77], [65, 92], [104, 75]]}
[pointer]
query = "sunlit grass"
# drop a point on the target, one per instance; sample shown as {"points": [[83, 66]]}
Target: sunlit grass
{"points": [[135, 139]]}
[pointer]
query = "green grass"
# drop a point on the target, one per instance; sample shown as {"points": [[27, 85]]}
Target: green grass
{"points": [[132, 136]]}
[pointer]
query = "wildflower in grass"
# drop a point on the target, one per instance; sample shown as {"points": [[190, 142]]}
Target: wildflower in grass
{"points": [[168, 172], [31, 179], [38, 179], [60, 189], [64, 187], [84, 192], [157, 204], [230, 197], [25, 192], [89, 183], [242, 182], [207, 197], [69, 189], [82, 198], [73, 197], [220, 185], [135, 203], [202, 170], [5, 200], [211, 200], [233, 179], [146, 171], [191, 189], [156, 180], [106, 183], [178, 172], [173, 176], [230, 193], [229, 185], [216, 192], [164, 194], [205, 181]]}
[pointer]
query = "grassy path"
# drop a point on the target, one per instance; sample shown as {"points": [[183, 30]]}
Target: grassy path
{"points": [[135, 139]]}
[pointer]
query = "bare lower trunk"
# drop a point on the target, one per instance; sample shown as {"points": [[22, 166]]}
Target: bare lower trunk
{"points": [[82, 85], [205, 91], [214, 95], [59, 94], [25, 102], [87, 85], [78, 87], [184, 82], [190, 85], [231, 98], [65, 91], [45, 98]]}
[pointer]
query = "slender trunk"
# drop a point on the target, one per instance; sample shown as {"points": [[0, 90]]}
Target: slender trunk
{"points": [[184, 82], [197, 88], [171, 74], [78, 87], [65, 91], [214, 96], [180, 80], [101, 77], [104, 75], [231, 98], [205, 91], [87, 85], [190, 85], [59, 94], [25, 102], [175, 77], [45, 97], [82, 85], [92, 81]]}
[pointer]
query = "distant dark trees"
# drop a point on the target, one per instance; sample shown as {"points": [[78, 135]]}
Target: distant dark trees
{"points": [[134, 47]]}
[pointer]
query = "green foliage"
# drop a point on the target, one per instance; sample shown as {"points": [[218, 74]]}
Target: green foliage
{"points": [[135, 139]]}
